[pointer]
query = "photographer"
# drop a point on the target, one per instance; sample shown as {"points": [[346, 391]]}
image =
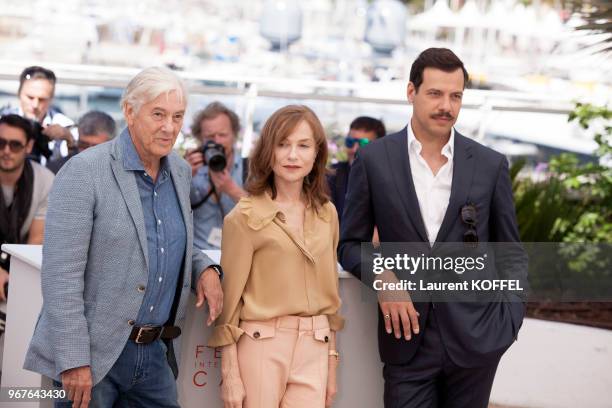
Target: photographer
{"points": [[218, 173], [55, 133]]}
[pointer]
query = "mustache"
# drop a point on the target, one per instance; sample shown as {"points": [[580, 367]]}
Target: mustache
{"points": [[445, 115]]}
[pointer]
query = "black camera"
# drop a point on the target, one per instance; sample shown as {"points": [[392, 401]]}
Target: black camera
{"points": [[214, 155], [41, 142]]}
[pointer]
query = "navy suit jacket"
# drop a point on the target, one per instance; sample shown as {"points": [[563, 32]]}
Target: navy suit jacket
{"points": [[338, 182], [381, 192]]}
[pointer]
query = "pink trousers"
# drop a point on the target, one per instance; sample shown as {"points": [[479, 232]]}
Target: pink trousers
{"points": [[283, 362]]}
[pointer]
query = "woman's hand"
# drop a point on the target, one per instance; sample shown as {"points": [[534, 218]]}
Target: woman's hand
{"points": [[232, 392], [232, 388], [332, 387], [332, 365]]}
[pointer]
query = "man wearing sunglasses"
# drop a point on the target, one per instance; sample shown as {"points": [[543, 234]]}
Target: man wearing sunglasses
{"points": [[35, 92], [25, 188], [363, 130], [424, 186]]}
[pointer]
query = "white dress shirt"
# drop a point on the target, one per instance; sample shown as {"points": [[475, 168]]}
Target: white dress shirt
{"points": [[433, 191], [53, 117]]}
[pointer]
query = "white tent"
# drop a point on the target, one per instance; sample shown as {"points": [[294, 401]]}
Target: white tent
{"points": [[440, 15]]}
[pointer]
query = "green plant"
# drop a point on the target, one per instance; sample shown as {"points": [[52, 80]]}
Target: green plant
{"points": [[572, 209], [574, 202]]}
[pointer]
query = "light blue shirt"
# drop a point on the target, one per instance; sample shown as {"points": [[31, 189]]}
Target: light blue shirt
{"points": [[166, 235]]}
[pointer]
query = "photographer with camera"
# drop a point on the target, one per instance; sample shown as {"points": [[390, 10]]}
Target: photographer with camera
{"points": [[218, 173], [55, 133]]}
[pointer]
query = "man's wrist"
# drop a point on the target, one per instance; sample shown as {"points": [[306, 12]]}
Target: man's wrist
{"points": [[217, 269]]}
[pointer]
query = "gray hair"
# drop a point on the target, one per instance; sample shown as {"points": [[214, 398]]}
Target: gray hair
{"points": [[148, 84], [96, 122]]}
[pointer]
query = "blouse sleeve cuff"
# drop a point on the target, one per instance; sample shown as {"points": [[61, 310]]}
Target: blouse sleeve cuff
{"points": [[336, 322], [225, 334]]}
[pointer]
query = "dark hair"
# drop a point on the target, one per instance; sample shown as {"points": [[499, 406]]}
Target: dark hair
{"points": [[439, 58], [211, 111], [276, 129], [95, 122], [35, 72], [19, 122], [369, 125]]}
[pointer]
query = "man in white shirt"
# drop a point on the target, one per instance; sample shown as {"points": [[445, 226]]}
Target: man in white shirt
{"points": [[424, 186], [36, 91]]}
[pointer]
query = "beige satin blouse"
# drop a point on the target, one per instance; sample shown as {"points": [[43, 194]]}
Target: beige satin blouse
{"points": [[269, 272]]}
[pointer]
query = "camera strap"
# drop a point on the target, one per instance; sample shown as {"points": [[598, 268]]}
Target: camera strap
{"points": [[245, 173], [205, 199], [219, 203]]}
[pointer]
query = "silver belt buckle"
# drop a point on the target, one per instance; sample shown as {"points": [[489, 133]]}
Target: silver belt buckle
{"points": [[142, 330]]}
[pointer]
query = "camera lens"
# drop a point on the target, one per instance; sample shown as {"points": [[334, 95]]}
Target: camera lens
{"points": [[216, 162], [214, 156]]}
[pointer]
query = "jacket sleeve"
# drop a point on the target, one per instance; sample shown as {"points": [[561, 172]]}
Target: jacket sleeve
{"points": [[236, 259], [511, 260], [199, 263], [357, 223], [199, 260], [68, 228]]}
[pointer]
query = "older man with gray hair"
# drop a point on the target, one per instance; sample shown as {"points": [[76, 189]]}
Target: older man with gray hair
{"points": [[118, 259]]}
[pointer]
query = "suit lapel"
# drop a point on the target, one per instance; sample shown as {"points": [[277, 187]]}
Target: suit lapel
{"points": [[463, 170], [131, 196], [397, 150], [180, 185]]}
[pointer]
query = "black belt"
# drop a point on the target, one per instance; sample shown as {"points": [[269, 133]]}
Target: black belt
{"points": [[148, 334]]}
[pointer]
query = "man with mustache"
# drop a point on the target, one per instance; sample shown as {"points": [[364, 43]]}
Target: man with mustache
{"points": [[426, 185]]}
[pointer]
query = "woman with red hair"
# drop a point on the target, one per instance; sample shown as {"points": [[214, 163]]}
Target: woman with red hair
{"points": [[281, 301]]}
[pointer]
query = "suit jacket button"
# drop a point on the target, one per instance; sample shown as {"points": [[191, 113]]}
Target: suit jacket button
{"points": [[131, 322], [141, 288], [326, 339], [256, 335]]}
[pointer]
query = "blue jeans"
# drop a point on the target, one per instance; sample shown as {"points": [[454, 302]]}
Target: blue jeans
{"points": [[141, 377]]}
